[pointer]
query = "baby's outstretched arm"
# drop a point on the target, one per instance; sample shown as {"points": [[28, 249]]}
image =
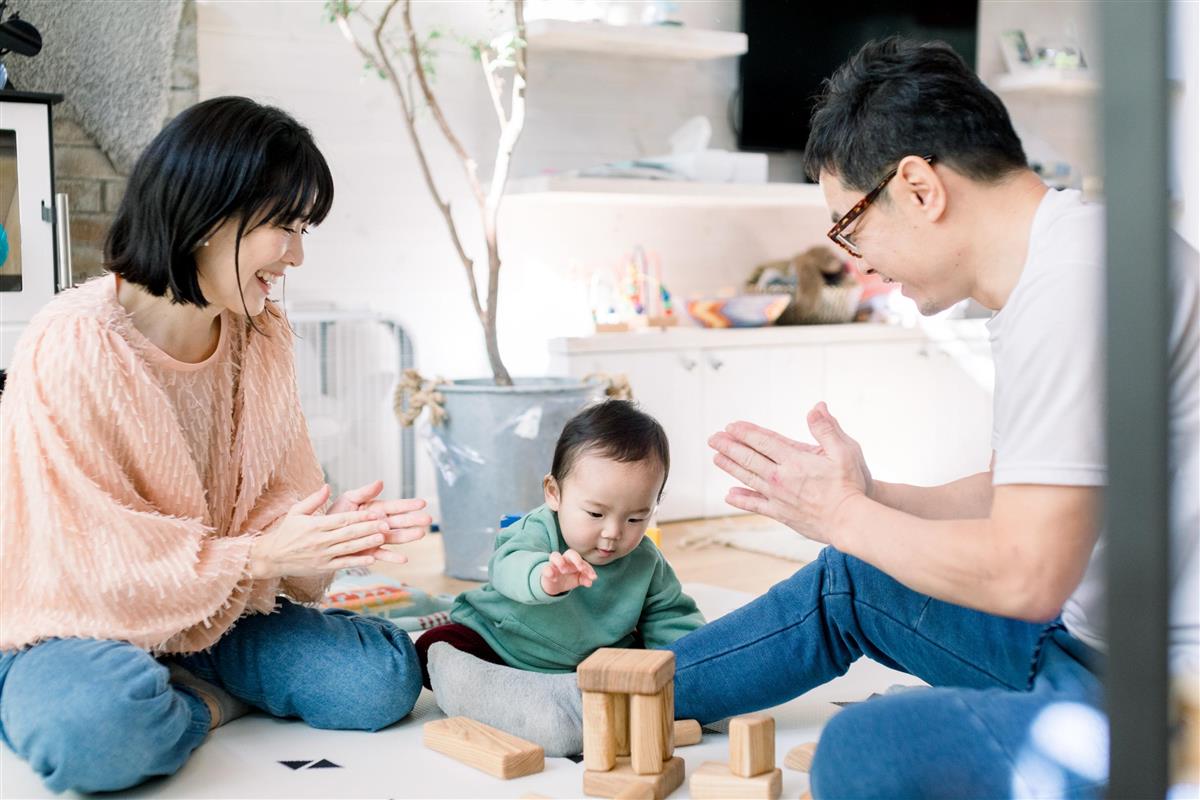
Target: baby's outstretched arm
{"points": [[566, 571]]}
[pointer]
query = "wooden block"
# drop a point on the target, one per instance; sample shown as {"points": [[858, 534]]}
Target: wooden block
{"points": [[599, 733], [610, 669], [646, 743], [806, 796], [481, 746], [636, 791], [751, 745], [616, 780], [668, 720], [714, 781], [621, 722], [687, 732], [800, 757]]}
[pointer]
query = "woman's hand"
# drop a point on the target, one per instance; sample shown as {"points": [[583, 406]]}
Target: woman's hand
{"points": [[405, 521], [801, 485], [306, 542], [564, 571]]}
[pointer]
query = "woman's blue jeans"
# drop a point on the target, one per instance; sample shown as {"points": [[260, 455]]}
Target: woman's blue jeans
{"points": [[1014, 712], [94, 715]]}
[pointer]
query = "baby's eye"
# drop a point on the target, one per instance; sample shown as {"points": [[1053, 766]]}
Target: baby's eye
{"points": [[595, 514], [634, 520]]}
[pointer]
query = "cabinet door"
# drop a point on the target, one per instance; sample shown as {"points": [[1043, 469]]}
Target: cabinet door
{"points": [[773, 387], [922, 412], [667, 385]]}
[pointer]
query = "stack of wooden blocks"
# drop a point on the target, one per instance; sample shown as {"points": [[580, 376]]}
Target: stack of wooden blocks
{"points": [[751, 771], [629, 724]]}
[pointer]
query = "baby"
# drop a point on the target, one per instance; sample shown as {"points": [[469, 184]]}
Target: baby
{"points": [[577, 573]]}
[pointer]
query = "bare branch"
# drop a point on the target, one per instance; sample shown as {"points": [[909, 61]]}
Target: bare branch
{"points": [[469, 165], [493, 86]]}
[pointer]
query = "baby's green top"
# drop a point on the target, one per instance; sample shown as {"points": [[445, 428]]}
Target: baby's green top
{"points": [[532, 630]]}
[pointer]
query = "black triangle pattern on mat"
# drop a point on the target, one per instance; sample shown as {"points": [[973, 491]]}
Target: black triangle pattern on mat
{"points": [[324, 763], [295, 764]]}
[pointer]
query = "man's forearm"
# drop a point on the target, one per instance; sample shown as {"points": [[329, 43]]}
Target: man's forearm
{"points": [[966, 498]]}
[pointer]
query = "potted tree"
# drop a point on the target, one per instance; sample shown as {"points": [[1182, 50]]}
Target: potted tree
{"points": [[491, 439]]}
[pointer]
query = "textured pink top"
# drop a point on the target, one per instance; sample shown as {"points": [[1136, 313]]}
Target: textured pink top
{"points": [[132, 484]]}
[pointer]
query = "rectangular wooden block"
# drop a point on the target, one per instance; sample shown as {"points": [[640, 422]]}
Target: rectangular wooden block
{"points": [[687, 732], [714, 781], [618, 779], [611, 669], [599, 734], [646, 743], [751, 745], [481, 746], [668, 719]]}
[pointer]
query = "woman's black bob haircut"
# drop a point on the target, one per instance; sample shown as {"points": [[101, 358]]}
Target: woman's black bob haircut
{"points": [[228, 158]]}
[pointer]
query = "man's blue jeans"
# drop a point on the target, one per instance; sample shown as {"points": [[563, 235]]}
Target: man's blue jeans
{"points": [[94, 715], [1014, 712]]}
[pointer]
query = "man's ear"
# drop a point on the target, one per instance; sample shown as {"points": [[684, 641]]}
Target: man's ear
{"points": [[550, 489], [919, 187]]}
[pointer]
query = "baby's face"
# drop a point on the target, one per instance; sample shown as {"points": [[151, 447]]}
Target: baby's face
{"points": [[604, 506]]}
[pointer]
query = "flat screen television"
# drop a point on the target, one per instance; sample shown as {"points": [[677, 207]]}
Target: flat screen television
{"points": [[796, 44]]}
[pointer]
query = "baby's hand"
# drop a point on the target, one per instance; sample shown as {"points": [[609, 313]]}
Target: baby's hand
{"points": [[565, 571]]}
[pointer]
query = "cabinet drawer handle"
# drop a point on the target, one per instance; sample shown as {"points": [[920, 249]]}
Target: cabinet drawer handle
{"points": [[715, 362], [688, 363]]}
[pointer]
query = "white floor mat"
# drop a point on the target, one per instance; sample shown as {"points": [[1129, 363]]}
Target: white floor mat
{"points": [[245, 758], [761, 536]]}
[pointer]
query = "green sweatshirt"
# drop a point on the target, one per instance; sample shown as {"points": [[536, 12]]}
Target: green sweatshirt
{"points": [[532, 630]]}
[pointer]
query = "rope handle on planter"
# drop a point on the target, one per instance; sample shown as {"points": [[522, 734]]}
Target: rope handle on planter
{"points": [[414, 393], [616, 387]]}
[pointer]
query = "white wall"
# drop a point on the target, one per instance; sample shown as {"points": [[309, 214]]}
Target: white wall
{"points": [[384, 244]]}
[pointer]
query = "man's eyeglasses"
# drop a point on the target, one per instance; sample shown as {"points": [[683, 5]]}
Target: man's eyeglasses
{"points": [[836, 232]]}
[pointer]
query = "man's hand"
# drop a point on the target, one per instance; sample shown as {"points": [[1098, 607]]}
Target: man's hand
{"points": [[565, 571], [798, 484], [405, 521]]}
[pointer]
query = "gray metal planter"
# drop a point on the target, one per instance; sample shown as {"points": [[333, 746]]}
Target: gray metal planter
{"points": [[491, 454]]}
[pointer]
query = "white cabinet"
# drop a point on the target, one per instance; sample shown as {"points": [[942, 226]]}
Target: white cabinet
{"points": [[921, 409]]}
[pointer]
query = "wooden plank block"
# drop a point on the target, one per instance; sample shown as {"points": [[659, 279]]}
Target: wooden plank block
{"points": [[687, 732], [800, 757], [751, 745], [646, 743], [599, 735], [636, 791], [621, 722], [481, 746], [614, 781], [611, 669], [668, 719], [714, 781]]}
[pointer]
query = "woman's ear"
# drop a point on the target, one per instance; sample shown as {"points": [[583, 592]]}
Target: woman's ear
{"points": [[550, 489]]}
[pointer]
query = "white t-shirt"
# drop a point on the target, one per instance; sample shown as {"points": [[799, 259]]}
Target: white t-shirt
{"points": [[1048, 428]]}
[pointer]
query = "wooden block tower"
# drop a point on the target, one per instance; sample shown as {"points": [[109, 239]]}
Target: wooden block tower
{"points": [[751, 771], [629, 722]]}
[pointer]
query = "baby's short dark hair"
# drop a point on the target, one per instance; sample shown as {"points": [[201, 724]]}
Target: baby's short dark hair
{"points": [[615, 429]]}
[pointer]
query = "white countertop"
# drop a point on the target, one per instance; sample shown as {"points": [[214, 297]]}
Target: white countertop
{"points": [[770, 336]]}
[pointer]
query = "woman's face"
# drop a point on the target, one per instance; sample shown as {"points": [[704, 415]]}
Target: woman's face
{"points": [[266, 253]]}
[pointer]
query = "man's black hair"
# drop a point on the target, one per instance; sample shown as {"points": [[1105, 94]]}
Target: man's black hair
{"points": [[897, 97]]}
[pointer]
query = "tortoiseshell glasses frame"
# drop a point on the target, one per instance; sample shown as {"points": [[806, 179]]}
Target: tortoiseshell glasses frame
{"points": [[836, 232]]}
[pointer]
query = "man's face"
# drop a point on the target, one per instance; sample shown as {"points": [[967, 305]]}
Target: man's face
{"points": [[900, 240]]}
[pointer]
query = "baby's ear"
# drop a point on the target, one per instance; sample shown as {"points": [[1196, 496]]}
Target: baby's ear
{"points": [[550, 489]]}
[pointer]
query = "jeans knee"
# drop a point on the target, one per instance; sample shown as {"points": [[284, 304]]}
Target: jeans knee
{"points": [[88, 715], [383, 689]]}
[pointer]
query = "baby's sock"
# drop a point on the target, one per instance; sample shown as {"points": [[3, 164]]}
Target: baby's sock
{"points": [[545, 709]]}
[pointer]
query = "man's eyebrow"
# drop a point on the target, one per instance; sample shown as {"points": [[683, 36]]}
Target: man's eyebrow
{"points": [[835, 216]]}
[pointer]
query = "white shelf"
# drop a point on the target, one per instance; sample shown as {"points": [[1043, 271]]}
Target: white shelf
{"points": [[1054, 82], [640, 41], [650, 192]]}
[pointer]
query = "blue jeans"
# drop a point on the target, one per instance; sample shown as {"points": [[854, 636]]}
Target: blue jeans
{"points": [[95, 715], [1015, 711]]}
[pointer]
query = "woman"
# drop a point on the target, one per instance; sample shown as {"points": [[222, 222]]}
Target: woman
{"points": [[159, 485]]}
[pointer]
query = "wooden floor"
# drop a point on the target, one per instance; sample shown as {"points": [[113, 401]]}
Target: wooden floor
{"points": [[713, 564]]}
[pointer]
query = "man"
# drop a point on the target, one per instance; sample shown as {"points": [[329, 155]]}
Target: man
{"points": [[989, 588]]}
